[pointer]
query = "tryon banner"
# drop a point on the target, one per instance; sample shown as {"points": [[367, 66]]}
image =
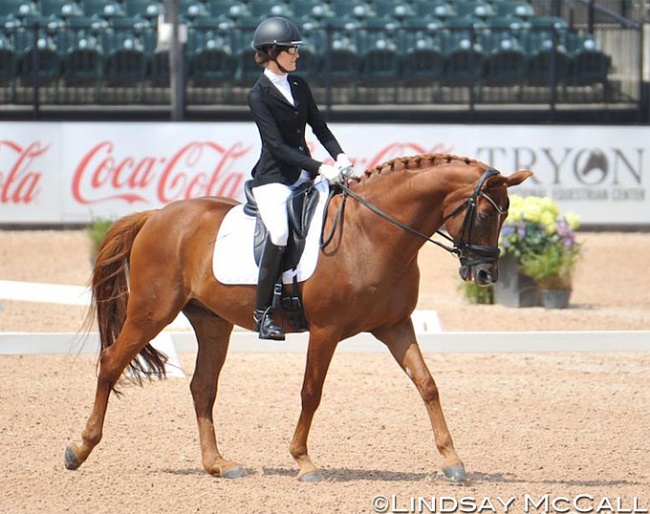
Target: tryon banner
{"points": [[57, 173]]}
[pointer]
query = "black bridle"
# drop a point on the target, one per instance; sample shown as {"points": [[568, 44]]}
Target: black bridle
{"points": [[472, 254]]}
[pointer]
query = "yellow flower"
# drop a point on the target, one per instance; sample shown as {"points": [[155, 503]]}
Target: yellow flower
{"points": [[573, 220]]}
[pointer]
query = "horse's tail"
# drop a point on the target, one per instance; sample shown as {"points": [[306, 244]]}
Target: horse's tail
{"points": [[110, 292]]}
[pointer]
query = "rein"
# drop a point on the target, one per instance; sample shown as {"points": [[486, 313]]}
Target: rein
{"points": [[482, 253]]}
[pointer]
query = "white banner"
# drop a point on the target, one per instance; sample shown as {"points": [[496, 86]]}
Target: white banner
{"points": [[53, 173]]}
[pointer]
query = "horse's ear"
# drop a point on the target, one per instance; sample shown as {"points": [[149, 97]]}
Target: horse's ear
{"points": [[518, 177], [511, 180]]}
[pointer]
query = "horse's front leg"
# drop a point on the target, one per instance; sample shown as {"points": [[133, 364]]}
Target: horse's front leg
{"points": [[400, 340], [319, 356]]}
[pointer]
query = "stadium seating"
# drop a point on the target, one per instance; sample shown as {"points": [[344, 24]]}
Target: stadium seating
{"points": [[423, 64], [83, 66], [148, 9], [589, 64], [17, 8], [212, 63], [350, 44], [102, 8], [505, 61], [42, 67], [8, 67], [60, 8]]}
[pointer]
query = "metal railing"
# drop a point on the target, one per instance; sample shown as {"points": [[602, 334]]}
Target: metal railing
{"points": [[582, 62]]}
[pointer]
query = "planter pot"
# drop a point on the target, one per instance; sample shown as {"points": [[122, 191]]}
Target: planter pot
{"points": [[555, 298], [514, 289]]}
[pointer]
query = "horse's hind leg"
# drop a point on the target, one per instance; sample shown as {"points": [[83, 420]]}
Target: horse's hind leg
{"points": [[213, 336], [113, 360], [402, 344]]}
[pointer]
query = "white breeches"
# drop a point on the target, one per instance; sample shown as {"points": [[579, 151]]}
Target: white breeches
{"points": [[272, 204]]}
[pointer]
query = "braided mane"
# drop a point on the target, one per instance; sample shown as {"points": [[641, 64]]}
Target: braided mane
{"points": [[416, 162]]}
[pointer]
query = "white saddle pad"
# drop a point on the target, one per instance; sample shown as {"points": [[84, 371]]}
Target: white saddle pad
{"points": [[233, 261]]}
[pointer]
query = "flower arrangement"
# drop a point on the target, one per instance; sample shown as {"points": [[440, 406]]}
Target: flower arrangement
{"points": [[543, 241]]}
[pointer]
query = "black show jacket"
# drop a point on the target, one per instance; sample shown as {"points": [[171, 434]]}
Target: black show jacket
{"points": [[282, 130]]}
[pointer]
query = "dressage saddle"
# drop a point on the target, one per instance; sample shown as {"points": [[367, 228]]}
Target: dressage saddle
{"points": [[300, 211]]}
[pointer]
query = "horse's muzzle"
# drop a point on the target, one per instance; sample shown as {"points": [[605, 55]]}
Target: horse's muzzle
{"points": [[480, 274]]}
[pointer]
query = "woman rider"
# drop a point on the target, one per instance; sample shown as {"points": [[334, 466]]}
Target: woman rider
{"points": [[282, 105]]}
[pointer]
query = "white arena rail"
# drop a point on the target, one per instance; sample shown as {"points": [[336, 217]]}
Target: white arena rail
{"points": [[430, 335]]}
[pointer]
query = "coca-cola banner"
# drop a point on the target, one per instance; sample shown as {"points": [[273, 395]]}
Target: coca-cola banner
{"points": [[54, 173]]}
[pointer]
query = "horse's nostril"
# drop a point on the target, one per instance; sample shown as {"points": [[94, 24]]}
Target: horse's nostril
{"points": [[483, 277]]}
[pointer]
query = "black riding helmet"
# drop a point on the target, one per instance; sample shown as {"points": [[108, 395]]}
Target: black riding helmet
{"points": [[276, 31]]}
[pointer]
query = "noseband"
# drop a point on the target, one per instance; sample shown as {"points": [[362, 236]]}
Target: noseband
{"points": [[473, 254]]}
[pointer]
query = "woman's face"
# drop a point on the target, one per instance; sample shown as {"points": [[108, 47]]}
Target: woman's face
{"points": [[288, 57]]}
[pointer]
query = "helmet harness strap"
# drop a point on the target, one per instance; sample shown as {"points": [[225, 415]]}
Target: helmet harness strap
{"points": [[282, 68]]}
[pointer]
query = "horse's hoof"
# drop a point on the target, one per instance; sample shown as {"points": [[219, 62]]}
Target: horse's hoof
{"points": [[70, 459], [455, 473], [313, 477], [236, 472]]}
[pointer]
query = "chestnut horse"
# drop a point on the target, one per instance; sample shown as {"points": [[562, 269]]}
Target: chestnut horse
{"points": [[154, 264]]}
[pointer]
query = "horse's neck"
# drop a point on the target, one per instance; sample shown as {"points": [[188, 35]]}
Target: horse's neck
{"points": [[412, 198]]}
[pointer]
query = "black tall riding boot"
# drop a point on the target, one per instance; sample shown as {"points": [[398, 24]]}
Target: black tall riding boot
{"points": [[270, 264]]}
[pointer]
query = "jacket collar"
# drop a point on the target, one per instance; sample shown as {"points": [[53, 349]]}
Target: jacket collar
{"points": [[266, 84]]}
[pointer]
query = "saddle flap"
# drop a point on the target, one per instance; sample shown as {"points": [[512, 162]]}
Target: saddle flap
{"points": [[300, 212]]}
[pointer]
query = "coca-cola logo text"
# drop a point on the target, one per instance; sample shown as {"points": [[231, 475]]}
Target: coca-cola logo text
{"points": [[200, 168], [19, 180]]}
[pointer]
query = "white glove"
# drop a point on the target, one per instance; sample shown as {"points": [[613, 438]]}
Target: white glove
{"points": [[331, 173], [343, 160], [344, 164]]}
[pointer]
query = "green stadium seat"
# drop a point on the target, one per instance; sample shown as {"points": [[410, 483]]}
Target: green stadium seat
{"points": [[17, 8], [312, 9], [548, 25], [514, 9], [379, 65], [439, 9], [396, 9], [507, 26], [463, 59], [102, 8], [148, 9], [230, 9], [41, 65], [310, 64], [62, 8], [83, 66], [548, 61], [352, 9], [213, 65], [589, 65], [344, 65], [505, 61], [126, 64], [209, 28], [247, 70], [345, 31], [479, 9], [8, 68], [423, 64], [160, 69], [376, 30], [266, 8]]}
